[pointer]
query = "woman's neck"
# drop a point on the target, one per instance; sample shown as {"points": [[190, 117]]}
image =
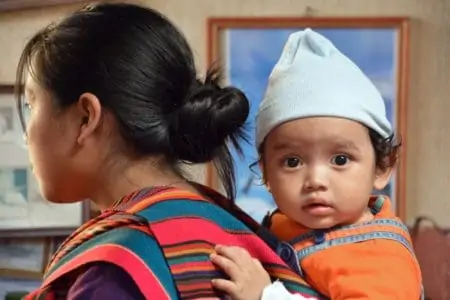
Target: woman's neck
{"points": [[120, 182]]}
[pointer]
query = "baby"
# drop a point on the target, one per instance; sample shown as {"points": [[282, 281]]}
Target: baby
{"points": [[325, 143]]}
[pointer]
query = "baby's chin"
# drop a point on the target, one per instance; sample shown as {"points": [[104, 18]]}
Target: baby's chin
{"points": [[318, 223], [331, 221]]}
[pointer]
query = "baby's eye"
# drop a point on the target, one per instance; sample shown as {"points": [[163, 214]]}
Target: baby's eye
{"points": [[340, 160], [292, 162]]}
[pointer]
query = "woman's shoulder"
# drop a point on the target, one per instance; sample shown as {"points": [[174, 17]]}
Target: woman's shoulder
{"points": [[126, 258], [173, 207]]}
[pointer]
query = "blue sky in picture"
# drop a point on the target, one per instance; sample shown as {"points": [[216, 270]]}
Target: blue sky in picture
{"points": [[250, 57]]}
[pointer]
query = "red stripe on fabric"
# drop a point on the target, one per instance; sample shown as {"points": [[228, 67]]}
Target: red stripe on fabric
{"points": [[195, 265], [205, 230], [165, 195], [122, 257], [37, 293]]}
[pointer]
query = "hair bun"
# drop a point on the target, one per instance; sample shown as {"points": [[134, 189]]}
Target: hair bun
{"points": [[210, 116]]}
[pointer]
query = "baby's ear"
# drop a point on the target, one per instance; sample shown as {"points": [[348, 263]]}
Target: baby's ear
{"points": [[382, 177], [264, 177]]}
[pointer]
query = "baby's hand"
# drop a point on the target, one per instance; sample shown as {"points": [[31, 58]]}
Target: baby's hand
{"points": [[247, 276]]}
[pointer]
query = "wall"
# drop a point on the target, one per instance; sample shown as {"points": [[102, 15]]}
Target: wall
{"points": [[428, 178]]}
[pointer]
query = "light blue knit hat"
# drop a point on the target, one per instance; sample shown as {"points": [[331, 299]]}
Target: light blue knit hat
{"points": [[314, 79]]}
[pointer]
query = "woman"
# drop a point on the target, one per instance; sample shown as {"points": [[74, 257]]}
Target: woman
{"points": [[112, 106]]}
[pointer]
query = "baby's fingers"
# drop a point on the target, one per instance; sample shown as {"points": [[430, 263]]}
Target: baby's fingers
{"points": [[227, 286], [228, 266], [238, 255]]}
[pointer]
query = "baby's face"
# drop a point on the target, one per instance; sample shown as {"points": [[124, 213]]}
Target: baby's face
{"points": [[321, 171]]}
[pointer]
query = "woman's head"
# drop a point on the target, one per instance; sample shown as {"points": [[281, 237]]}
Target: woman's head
{"points": [[114, 84], [322, 133]]}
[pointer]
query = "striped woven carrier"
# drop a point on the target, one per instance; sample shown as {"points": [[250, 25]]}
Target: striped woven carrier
{"points": [[186, 227]]}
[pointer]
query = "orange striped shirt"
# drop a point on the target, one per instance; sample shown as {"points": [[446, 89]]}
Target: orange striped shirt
{"points": [[377, 269]]}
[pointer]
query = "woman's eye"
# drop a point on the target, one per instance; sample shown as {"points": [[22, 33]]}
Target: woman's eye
{"points": [[292, 162], [25, 114], [340, 160], [27, 105]]}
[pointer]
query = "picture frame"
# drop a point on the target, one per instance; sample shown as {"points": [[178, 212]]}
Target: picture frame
{"points": [[23, 258], [25, 212], [248, 48]]}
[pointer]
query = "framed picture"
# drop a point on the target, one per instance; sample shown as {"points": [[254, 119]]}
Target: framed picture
{"points": [[248, 48], [23, 211], [23, 258]]}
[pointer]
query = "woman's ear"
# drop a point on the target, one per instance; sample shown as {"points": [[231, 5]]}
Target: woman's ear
{"points": [[90, 111]]}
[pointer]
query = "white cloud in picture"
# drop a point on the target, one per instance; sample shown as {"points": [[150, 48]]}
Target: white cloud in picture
{"points": [[257, 208], [385, 83], [251, 47]]}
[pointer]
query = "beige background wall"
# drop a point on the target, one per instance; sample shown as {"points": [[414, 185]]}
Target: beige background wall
{"points": [[428, 154]]}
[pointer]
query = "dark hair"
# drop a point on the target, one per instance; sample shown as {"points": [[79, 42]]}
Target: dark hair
{"points": [[386, 150], [142, 69]]}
